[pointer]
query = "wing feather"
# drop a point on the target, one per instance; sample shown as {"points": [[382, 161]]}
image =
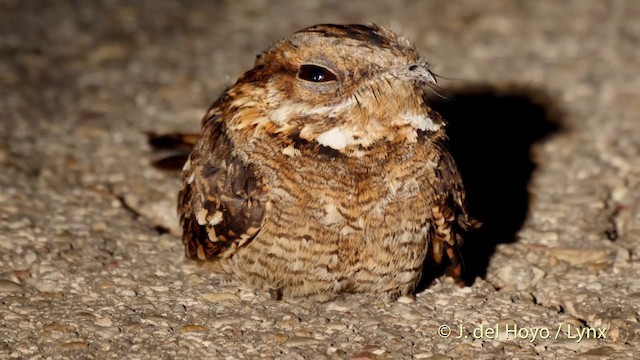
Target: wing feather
{"points": [[450, 216], [222, 202]]}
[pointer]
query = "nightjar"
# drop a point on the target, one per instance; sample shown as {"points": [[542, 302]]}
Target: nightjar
{"points": [[323, 170]]}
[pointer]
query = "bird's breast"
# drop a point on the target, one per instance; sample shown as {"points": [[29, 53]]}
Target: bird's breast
{"points": [[334, 202]]}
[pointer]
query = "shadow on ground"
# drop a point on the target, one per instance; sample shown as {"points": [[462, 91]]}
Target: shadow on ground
{"points": [[491, 131]]}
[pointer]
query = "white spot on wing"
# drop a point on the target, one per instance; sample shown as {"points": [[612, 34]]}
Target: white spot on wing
{"points": [[291, 151], [201, 216], [216, 218]]}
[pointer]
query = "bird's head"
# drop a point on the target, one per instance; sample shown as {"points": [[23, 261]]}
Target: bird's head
{"points": [[342, 88]]}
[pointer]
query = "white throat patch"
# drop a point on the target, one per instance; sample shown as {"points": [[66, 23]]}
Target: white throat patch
{"points": [[335, 138], [421, 122]]}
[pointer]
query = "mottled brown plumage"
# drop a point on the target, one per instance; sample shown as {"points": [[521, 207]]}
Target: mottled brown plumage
{"points": [[323, 170]]}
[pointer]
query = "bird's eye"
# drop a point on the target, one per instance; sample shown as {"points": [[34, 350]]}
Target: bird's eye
{"points": [[315, 73]]}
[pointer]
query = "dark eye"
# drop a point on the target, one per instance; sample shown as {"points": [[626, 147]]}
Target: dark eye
{"points": [[315, 73]]}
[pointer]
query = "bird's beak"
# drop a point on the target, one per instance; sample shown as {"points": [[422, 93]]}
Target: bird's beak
{"points": [[419, 72]]}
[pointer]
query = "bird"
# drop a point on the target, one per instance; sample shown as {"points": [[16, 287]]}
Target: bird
{"points": [[323, 170]]}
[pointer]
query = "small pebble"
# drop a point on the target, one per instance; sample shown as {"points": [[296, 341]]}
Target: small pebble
{"points": [[103, 322], [407, 299], [301, 341], [192, 328], [226, 320], [217, 297], [340, 306], [594, 286], [281, 337], [365, 355], [336, 326], [74, 345], [7, 286], [409, 313]]}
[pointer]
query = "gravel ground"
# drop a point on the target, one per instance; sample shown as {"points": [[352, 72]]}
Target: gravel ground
{"points": [[543, 99]]}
